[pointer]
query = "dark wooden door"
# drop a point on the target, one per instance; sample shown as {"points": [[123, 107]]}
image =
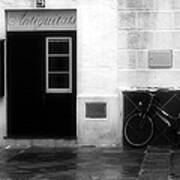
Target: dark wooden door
{"points": [[35, 108]]}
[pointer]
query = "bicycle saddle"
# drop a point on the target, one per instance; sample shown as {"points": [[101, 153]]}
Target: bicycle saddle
{"points": [[163, 90]]}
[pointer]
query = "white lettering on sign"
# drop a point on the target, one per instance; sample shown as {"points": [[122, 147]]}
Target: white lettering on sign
{"points": [[41, 20]]}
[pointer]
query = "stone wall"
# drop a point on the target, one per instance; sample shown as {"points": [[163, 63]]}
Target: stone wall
{"points": [[147, 25]]}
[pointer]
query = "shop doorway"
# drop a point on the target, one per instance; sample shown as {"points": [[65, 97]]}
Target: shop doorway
{"points": [[41, 84]]}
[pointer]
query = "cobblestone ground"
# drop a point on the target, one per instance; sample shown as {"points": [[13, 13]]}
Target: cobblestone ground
{"points": [[70, 164]]}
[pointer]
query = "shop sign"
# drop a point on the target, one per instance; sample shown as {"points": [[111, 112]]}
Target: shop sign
{"points": [[35, 20]]}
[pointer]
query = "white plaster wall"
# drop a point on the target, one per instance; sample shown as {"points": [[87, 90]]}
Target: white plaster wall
{"points": [[101, 132], [97, 71], [97, 40]]}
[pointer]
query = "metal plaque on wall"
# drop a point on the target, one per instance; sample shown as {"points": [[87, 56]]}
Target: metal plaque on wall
{"points": [[160, 58]]}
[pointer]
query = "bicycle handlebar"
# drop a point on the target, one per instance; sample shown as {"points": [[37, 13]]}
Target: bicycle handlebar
{"points": [[158, 90], [153, 93], [163, 90]]}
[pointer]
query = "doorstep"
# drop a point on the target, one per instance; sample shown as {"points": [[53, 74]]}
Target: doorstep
{"points": [[50, 143]]}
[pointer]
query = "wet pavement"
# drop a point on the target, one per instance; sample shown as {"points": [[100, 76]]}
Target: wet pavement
{"points": [[90, 163], [156, 164], [85, 163]]}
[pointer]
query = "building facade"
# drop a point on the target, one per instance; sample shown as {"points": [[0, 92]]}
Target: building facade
{"points": [[107, 47]]}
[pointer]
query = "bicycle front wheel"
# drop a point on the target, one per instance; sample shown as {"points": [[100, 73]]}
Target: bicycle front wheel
{"points": [[136, 132]]}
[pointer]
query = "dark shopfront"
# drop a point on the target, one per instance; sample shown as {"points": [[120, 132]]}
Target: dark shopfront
{"points": [[41, 74], [169, 100]]}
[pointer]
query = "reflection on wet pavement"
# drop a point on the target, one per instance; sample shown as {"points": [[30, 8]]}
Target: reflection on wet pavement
{"points": [[71, 164], [156, 164]]}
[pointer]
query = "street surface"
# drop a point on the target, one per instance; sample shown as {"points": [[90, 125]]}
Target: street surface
{"points": [[90, 163]]}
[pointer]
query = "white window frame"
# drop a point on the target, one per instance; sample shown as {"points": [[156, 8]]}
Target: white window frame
{"points": [[59, 90]]}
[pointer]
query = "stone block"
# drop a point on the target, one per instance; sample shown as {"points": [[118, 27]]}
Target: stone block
{"points": [[131, 59], [127, 59], [162, 40], [167, 78], [146, 20], [121, 4], [155, 20], [127, 20], [139, 4], [148, 4], [135, 40], [149, 78], [139, 40], [163, 4], [176, 4], [176, 59], [134, 78], [176, 40], [176, 20], [142, 59]]}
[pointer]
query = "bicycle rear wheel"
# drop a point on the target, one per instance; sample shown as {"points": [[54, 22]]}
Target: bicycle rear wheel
{"points": [[136, 133]]}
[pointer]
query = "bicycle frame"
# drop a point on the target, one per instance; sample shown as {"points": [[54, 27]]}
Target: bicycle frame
{"points": [[161, 114]]}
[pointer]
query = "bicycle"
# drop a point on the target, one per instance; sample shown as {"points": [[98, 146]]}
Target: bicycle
{"points": [[139, 127]]}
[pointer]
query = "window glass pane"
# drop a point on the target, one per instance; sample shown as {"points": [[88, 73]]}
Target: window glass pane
{"points": [[58, 64], [58, 46], [58, 80]]}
